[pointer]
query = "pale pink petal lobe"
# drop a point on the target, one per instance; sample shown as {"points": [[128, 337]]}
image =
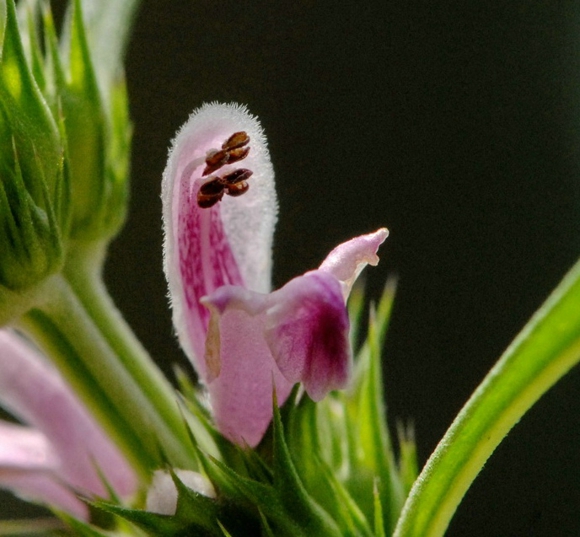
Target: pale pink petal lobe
{"points": [[29, 466], [33, 391], [241, 396], [25, 448], [42, 487], [348, 259]]}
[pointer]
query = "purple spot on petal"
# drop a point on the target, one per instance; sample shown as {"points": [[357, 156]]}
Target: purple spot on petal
{"points": [[308, 333]]}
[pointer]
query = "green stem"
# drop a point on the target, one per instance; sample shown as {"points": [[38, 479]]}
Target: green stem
{"points": [[542, 353], [83, 272], [62, 327]]}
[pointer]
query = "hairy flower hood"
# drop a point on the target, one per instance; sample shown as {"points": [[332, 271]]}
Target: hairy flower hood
{"points": [[219, 212]]}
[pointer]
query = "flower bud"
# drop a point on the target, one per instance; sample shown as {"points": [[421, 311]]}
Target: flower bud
{"points": [[33, 188]]}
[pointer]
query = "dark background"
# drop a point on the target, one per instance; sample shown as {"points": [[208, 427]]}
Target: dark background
{"points": [[454, 124]]}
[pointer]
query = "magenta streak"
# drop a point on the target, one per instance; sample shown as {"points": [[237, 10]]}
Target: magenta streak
{"points": [[206, 262]]}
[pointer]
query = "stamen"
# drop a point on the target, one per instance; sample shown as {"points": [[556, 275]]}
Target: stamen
{"points": [[238, 139], [237, 176], [210, 193], [234, 149], [237, 154], [237, 189], [215, 160]]}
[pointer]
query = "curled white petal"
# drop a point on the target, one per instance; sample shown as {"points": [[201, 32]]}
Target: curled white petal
{"points": [[229, 243]]}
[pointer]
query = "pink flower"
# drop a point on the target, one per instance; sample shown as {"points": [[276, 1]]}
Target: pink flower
{"points": [[61, 449], [219, 211]]}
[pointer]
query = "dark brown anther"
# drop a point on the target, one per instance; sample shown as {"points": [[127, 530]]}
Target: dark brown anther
{"points": [[238, 139], [237, 189], [235, 155], [237, 176], [210, 193], [214, 161]]}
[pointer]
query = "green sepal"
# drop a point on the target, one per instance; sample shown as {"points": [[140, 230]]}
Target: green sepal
{"points": [[27, 120], [150, 523], [28, 12], [195, 514], [252, 495], [85, 122], [108, 24], [34, 189], [30, 238], [271, 501]]}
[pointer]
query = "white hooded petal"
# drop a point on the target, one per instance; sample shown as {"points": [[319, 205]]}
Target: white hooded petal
{"points": [[229, 243]]}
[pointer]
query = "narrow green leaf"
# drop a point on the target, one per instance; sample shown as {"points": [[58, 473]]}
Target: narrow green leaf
{"points": [[356, 301], [307, 513], [544, 351], [379, 521], [367, 418], [408, 464], [2, 21], [225, 532], [348, 514]]}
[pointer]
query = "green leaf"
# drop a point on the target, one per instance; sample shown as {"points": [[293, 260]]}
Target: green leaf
{"points": [[408, 465], [544, 351], [356, 301], [347, 513], [373, 453], [2, 19], [379, 521], [307, 513]]}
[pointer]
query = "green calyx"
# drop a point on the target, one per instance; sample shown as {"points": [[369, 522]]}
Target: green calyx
{"points": [[64, 143], [33, 172], [326, 468], [98, 130]]}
